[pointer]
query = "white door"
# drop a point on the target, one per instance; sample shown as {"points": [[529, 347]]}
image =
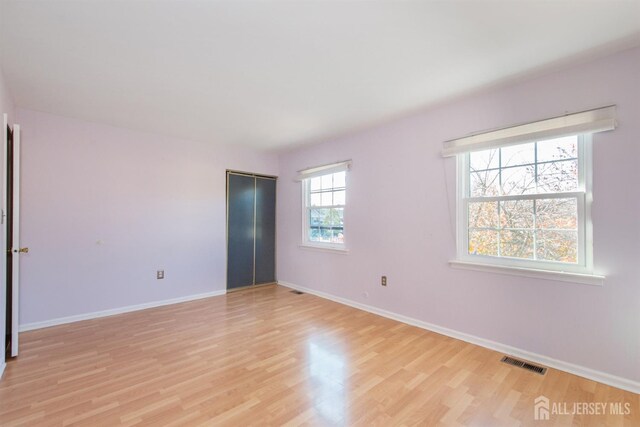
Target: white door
{"points": [[15, 247]]}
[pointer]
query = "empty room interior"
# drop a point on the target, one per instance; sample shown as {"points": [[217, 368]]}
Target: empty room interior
{"points": [[315, 212]]}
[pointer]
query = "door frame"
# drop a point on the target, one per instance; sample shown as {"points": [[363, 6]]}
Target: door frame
{"points": [[275, 246], [3, 234], [10, 238]]}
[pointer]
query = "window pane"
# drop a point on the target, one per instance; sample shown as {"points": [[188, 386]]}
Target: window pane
{"points": [[483, 242], [336, 218], [557, 246], [557, 177], [517, 155], [315, 184], [516, 244], [483, 214], [327, 181], [519, 180], [337, 236], [338, 198], [339, 179], [314, 234], [321, 222], [487, 159], [330, 219], [516, 214], [326, 198], [315, 199], [557, 213], [558, 149], [316, 217], [484, 183], [325, 234]]}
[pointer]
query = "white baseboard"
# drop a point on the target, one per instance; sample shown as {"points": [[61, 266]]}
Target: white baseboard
{"points": [[104, 313], [2, 366], [602, 377]]}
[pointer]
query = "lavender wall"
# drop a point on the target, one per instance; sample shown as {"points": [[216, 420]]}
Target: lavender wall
{"points": [[104, 208], [400, 222], [6, 102]]}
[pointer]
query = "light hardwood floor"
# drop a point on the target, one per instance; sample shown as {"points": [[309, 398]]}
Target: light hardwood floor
{"points": [[270, 357]]}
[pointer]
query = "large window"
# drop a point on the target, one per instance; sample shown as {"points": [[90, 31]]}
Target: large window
{"points": [[526, 205], [324, 201]]}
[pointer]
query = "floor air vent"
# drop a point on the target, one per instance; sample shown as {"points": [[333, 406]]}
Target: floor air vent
{"points": [[524, 365], [297, 292]]}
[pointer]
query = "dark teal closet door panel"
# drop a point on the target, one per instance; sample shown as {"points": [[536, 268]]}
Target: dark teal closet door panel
{"points": [[265, 230], [240, 231]]}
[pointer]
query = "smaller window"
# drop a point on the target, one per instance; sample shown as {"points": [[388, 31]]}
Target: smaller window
{"points": [[324, 201]]}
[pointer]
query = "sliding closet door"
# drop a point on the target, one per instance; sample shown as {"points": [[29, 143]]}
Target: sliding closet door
{"points": [[265, 231], [251, 230], [240, 230]]}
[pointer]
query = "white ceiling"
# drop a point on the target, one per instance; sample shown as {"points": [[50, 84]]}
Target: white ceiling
{"points": [[271, 74]]}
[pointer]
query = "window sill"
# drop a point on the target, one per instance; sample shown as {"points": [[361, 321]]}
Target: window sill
{"points": [[562, 276], [341, 251]]}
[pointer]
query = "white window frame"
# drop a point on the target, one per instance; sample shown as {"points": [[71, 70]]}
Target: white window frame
{"points": [[306, 207], [582, 271]]}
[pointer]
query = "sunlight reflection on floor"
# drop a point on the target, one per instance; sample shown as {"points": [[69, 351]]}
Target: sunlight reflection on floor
{"points": [[327, 372]]}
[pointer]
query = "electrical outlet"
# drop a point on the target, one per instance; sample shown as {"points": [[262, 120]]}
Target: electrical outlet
{"points": [[383, 282], [160, 274]]}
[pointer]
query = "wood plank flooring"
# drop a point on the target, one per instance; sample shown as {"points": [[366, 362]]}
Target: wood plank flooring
{"points": [[270, 357]]}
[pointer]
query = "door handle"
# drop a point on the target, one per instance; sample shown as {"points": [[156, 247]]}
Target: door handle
{"points": [[21, 250]]}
